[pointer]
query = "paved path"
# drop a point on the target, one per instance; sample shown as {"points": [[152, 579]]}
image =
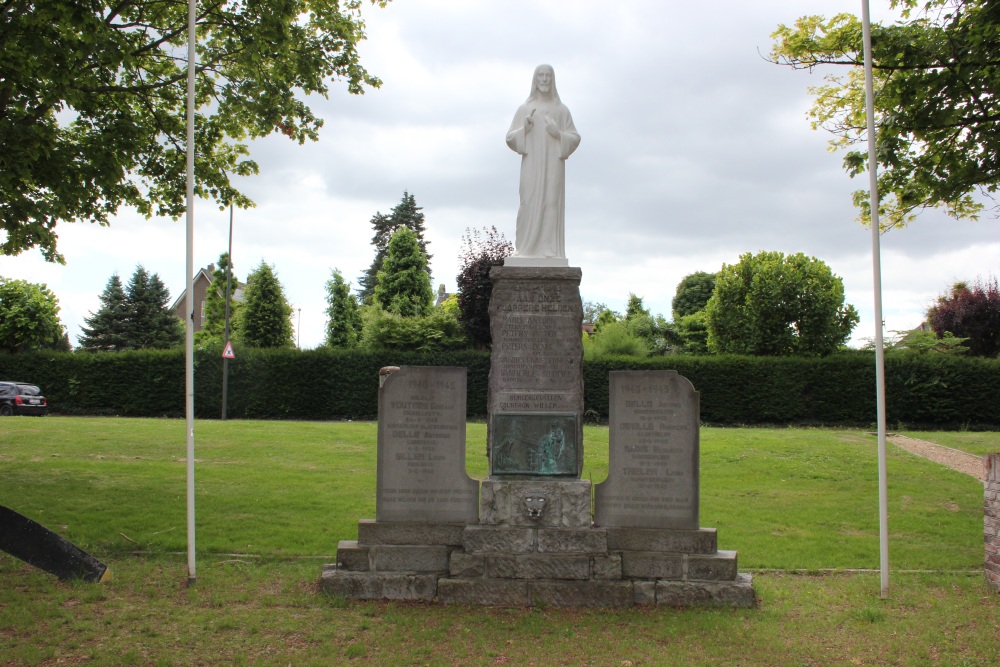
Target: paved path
{"points": [[955, 459]]}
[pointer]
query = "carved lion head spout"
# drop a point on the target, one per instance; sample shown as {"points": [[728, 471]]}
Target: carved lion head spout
{"points": [[534, 505]]}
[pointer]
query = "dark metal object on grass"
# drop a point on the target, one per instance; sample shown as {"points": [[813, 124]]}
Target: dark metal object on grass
{"points": [[37, 545]]}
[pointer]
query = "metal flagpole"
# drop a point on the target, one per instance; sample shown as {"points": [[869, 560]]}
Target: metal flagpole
{"points": [[883, 495], [189, 343]]}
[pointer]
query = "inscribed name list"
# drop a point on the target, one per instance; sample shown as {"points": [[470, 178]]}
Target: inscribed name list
{"points": [[653, 458], [421, 448]]}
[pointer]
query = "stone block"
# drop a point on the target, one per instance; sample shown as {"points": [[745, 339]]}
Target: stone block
{"points": [[644, 592], [420, 473], [497, 539], [737, 593], [353, 558], [411, 559], [405, 532], [716, 567], [379, 585], [535, 503], [581, 593], [653, 476], [538, 566], [652, 565], [587, 540], [606, 567], [466, 566], [496, 592], [701, 541]]}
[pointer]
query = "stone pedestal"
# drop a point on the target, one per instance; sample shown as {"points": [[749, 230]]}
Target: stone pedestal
{"points": [[991, 519], [535, 402]]}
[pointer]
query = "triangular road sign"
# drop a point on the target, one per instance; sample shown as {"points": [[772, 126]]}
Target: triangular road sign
{"points": [[227, 352]]}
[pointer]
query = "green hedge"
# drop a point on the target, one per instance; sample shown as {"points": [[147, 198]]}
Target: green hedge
{"points": [[922, 390]]}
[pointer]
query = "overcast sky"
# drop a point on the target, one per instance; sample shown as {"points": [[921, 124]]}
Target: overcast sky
{"points": [[694, 150]]}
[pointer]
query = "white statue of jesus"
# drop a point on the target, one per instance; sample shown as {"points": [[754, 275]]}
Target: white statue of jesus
{"points": [[543, 134]]}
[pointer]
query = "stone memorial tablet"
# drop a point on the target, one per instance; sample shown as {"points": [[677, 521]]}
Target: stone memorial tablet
{"points": [[653, 460], [534, 444], [421, 448], [536, 366]]}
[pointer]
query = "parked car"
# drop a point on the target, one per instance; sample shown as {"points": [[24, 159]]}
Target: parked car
{"points": [[20, 398]]}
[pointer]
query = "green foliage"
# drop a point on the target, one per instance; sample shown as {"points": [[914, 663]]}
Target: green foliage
{"points": [[635, 309], [150, 324], [692, 333], [213, 330], [343, 319], [106, 329], [936, 104], [920, 342], [135, 318], [439, 330], [481, 251], [593, 310], [404, 286], [404, 214], [972, 313], [933, 390], [29, 316], [693, 292], [93, 95], [773, 304], [614, 339], [265, 318]]}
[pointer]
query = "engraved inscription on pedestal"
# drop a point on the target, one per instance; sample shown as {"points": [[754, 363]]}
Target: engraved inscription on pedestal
{"points": [[533, 444], [421, 448], [653, 459], [536, 365]]}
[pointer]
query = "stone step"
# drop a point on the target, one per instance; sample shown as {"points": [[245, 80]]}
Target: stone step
{"points": [[371, 532], [525, 592], [535, 566], [701, 541], [720, 566], [378, 585], [353, 557], [506, 539]]}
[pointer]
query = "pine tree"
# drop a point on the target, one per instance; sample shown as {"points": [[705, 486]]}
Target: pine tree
{"points": [[214, 325], [405, 214], [343, 324], [149, 323], [106, 329], [265, 317], [404, 286]]}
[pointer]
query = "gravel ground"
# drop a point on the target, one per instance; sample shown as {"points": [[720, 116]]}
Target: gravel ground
{"points": [[970, 464]]}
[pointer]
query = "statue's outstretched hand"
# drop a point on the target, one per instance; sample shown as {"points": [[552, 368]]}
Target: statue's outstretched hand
{"points": [[529, 121]]}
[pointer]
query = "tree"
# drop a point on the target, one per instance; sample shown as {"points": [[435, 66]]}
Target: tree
{"points": [[149, 323], [29, 317], [937, 108], [105, 330], [343, 323], [404, 286], [266, 317], [971, 313], [93, 95], [481, 251], [693, 292], [213, 327], [404, 214], [772, 304]]}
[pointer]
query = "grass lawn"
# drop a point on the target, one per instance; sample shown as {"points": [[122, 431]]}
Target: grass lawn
{"points": [[273, 499], [979, 443]]}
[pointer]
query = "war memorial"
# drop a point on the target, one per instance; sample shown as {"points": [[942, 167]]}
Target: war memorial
{"points": [[534, 532]]}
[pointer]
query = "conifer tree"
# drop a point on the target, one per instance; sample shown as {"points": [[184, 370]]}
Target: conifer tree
{"points": [[405, 214], [149, 323], [105, 330], [265, 317], [343, 324], [213, 327], [404, 286]]}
